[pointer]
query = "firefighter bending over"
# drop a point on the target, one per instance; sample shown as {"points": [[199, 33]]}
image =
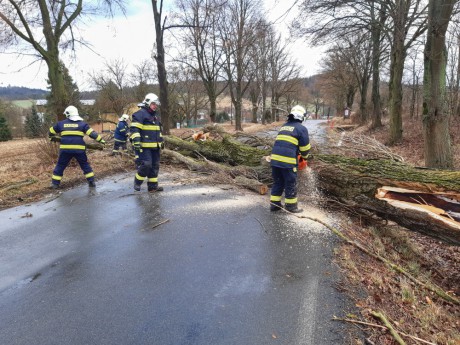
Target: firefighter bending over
{"points": [[291, 140], [70, 133]]}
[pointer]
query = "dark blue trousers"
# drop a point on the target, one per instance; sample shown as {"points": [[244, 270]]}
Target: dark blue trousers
{"points": [[284, 180], [63, 161], [148, 167]]}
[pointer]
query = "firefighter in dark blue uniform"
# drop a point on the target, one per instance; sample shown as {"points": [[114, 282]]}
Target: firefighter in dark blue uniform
{"points": [[121, 135], [147, 140], [291, 141], [70, 133]]}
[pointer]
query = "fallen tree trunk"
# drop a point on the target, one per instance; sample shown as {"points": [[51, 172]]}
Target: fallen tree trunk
{"points": [[247, 177], [423, 200], [227, 150]]}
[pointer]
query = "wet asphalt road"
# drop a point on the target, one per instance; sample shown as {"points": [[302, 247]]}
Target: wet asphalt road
{"points": [[191, 265]]}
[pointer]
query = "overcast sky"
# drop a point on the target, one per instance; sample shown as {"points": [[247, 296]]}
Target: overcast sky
{"points": [[130, 38]]}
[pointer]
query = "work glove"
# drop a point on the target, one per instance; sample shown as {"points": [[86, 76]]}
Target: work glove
{"points": [[102, 141], [162, 145], [55, 139], [309, 157]]}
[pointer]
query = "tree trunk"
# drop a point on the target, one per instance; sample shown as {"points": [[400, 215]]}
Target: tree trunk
{"points": [[58, 98], [438, 153], [160, 59], [376, 47], [408, 196], [398, 55], [213, 106]]}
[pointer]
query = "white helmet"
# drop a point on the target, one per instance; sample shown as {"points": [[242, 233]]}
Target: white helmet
{"points": [[151, 98], [124, 117], [298, 112], [70, 111]]}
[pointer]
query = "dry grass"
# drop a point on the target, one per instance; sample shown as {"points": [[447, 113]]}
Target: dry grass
{"points": [[27, 165], [26, 169]]}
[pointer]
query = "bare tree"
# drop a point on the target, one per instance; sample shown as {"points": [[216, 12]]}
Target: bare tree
{"points": [[238, 28], [159, 56], [402, 22], [188, 94], [438, 152], [142, 78], [47, 27], [355, 51], [202, 19], [113, 88], [408, 24], [283, 74], [339, 79]]}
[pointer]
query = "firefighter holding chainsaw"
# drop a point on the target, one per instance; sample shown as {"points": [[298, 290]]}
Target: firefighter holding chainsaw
{"points": [[291, 145], [147, 140]]}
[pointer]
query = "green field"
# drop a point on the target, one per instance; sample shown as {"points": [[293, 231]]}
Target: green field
{"points": [[25, 104]]}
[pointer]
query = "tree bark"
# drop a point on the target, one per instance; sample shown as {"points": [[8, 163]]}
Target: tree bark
{"points": [[160, 59], [411, 197], [438, 153]]}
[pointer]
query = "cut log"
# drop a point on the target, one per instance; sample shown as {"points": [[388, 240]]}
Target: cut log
{"points": [[423, 200], [252, 184]]}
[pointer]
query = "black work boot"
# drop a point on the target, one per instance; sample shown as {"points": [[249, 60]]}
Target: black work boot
{"points": [[92, 184], [293, 208], [275, 207], [54, 186], [155, 189], [137, 187]]}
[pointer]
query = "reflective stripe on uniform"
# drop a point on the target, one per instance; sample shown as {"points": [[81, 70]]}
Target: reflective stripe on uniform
{"points": [[305, 148], [120, 141], [137, 125], [57, 178], [81, 134], [151, 128], [275, 198], [153, 179], [284, 159], [89, 131], [288, 138], [290, 200], [139, 177], [149, 145], [72, 147], [52, 130], [135, 135], [91, 174]]}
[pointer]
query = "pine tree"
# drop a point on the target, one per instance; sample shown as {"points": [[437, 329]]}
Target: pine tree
{"points": [[33, 124], [5, 133], [72, 95]]}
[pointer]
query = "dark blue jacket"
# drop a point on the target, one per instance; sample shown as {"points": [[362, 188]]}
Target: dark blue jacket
{"points": [[121, 132], [146, 129], [291, 140], [72, 133]]}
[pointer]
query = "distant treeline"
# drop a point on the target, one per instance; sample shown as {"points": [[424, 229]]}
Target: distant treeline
{"points": [[14, 93]]}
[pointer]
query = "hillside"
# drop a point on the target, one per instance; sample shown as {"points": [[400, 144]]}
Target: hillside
{"points": [[12, 93]]}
